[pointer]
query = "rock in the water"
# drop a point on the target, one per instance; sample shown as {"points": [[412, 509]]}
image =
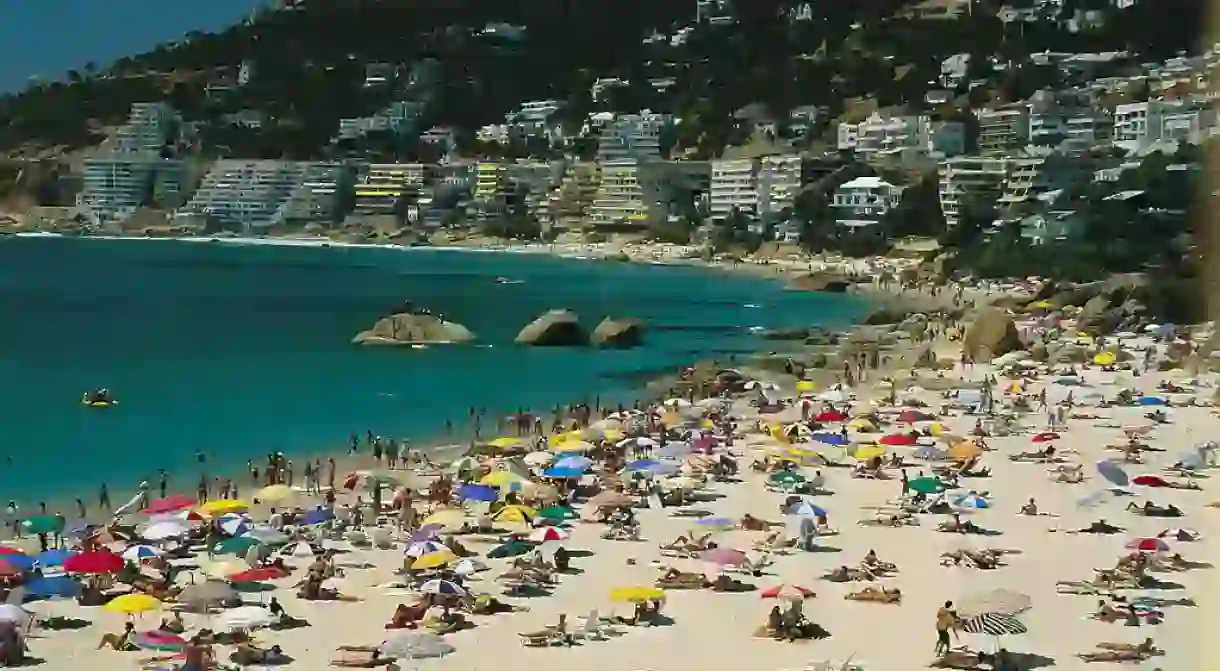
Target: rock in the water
{"points": [[992, 334], [557, 328], [822, 281], [886, 315], [411, 328], [619, 333], [786, 334]]}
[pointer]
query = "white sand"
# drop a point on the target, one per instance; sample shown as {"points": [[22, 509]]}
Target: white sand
{"points": [[713, 631]]}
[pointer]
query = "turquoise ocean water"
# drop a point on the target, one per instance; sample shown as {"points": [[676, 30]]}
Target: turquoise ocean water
{"points": [[237, 350]]}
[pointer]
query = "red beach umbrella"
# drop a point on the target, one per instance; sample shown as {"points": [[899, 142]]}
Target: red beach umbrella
{"points": [[7, 570], [898, 439], [787, 592], [1045, 437], [1148, 545], [1149, 481], [170, 504], [257, 575], [912, 416], [830, 416], [6, 550], [94, 562]]}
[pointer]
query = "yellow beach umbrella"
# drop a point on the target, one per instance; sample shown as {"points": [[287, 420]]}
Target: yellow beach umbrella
{"points": [[564, 437], [1105, 359], [500, 479], [573, 446], [964, 451], [445, 517], [805, 385], [636, 594], [434, 559], [130, 604], [504, 442], [862, 424], [800, 454], [613, 435], [866, 452], [223, 506], [515, 513], [274, 493], [936, 428], [1041, 305]]}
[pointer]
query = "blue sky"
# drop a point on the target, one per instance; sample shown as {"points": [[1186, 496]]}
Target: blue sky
{"points": [[50, 37]]}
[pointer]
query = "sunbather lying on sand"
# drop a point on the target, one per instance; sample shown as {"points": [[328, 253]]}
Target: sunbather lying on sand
{"points": [[1098, 527], [872, 563], [900, 520], [959, 526], [1122, 652], [1150, 509], [876, 595], [848, 574], [1043, 455], [360, 657], [958, 659], [981, 559], [675, 579], [685, 543]]}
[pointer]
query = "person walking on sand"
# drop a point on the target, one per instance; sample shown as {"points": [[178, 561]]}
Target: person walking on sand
{"points": [[946, 620], [103, 497]]}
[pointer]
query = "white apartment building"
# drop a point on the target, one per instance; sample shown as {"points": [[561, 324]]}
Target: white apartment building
{"points": [[965, 177], [864, 201], [631, 136], [1031, 176], [1138, 125], [779, 180], [1003, 130], [734, 186], [878, 136], [253, 194], [620, 196]]}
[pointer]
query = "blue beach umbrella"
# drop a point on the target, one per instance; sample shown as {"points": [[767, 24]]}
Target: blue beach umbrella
{"points": [[478, 493], [564, 473], [1094, 500], [20, 562], [830, 438], [1152, 400], [715, 522], [806, 509], [971, 500], [930, 453], [576, 461], [652, 466], [1113, 473], [53, 557], [317, 516], [60, 586]]}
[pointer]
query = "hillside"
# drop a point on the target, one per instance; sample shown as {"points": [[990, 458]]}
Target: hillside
{"points": [[309, 63]]}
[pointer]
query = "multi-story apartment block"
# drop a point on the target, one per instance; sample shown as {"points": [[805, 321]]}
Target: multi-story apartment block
{"points": [[631, 136], [401, 117], [1032, 175], [380, 186], [1138, 125], [251, 195], [317, 198], [965, 178], [531, 181], [779, 180], [630, 193], [734, 188], [864, 201], [576, 191], [1002, 131], [715, 12], [490, 187], [878, 136]]}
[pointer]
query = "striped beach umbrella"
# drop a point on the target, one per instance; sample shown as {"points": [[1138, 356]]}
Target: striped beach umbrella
{"points": [[993, 624]]}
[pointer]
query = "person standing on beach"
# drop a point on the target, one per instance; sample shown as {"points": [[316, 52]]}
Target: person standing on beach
{"points": [[103, 497], [162, 482], [330, 474], [202, 491], [80, 508], [946, 620], [11, 519]]}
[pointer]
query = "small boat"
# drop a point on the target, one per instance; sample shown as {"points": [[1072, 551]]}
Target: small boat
{"points": [[97, 399]]}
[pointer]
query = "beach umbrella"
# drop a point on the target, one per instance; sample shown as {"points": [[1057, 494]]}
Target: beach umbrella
{"points": [[806, 509], [8, 551], [14, 613], [1105, 359], [785, 478], [138, 552], [478, 493], [652, 466], [422, 548], [993, 624], [44, 524], [210, 591], [224, 569], [926, 486], [544, 534], [238, 545], [222, 506], [94, 562], [514, 514], [60, 586], [504, 442], [866, 452], [300, 549], [501, 479], [786, 592], [998, 601], [557, 513], [1147, 545], [930, 453], [130, 604], [676, 403], [514, 548], [234, 525], [275, 494], [1152, 400], [574, 461], [830, 438], [414, 645], [610, 499], [912, 416], [245, 618], [562, 473], [538, 458], [20, 562], [170, 504], [965, 451], [830, 416], [1113, 472], [433, 560], [635, 594], [971, 500], [717, 522], [573, 446], [639, 441], [316, 516], [257, 575], [159, 641], [445, 518], [53, 557], [1094, 500], [1149, 480], [445, 587], [9, 570], [164, 529], [723, 557], [1069, 381], [267, 536], [1045, 437]]}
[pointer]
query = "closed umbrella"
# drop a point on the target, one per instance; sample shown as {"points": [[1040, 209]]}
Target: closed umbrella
{"points": [[1113, 473], [415, 645]]}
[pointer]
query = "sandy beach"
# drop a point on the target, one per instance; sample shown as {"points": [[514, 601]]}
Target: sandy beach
{"points": [[709, 630]]}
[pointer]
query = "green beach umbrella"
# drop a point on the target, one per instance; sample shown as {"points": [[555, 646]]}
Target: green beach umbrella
{"points": [[234, 546], [557, 513], [786, 478], [510, 549], [926, 486], [43, 524]]}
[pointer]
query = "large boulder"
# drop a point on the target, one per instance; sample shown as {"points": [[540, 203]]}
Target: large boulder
{"points": [[557, 328], [411, 328], [618, 333], [992, 334], [821, 281]]}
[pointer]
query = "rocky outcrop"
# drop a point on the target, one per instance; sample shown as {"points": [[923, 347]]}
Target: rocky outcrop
{"points": [[618, 333], [992, 334], [412, 328], [557, 328], [822, 281]]}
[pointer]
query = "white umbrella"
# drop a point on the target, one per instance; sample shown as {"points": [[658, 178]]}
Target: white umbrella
{"points": [[676, 403], [415, 645], [138, 552], [298, 549], [538, 458], [245, 617], [207, 591], [164, 529]]}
